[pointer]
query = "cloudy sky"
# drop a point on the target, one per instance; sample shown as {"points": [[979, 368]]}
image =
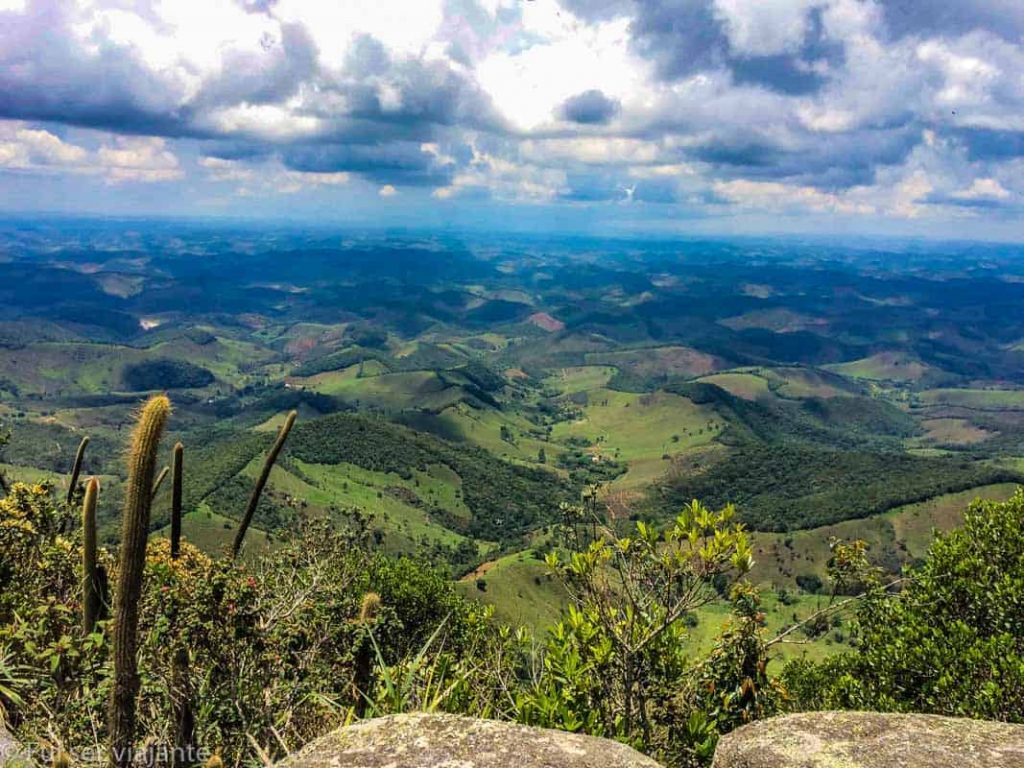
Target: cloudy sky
{"points": [[891, 116]]}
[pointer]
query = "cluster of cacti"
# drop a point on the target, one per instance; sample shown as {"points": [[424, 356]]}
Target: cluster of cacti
{"points": [[257, 491], [140, 491], [134, 535]]}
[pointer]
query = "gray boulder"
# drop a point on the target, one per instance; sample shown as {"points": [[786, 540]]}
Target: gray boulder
{"points": [[872, 740], [448, 741], [11, 755]]}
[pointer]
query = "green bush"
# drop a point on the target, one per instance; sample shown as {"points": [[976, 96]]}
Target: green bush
{"points": [[951, 642]]}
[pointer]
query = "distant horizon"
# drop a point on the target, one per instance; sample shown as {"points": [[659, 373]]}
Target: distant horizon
{"points": [[400, 229]]}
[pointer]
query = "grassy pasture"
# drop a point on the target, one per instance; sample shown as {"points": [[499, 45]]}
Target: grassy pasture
{"points": [[799, 383], [640, 429], [954, 431], [482, 427], [884, 366], [660, 361], [214, 533], [778, 320], [749, 386], [521, 589], [389, 391], [386, 496], [895, 538], [980, 399], [584, 378], [72, 368]]}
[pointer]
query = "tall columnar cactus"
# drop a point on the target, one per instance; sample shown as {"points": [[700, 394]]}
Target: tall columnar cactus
{"points": [[76, 469], [159, 481], [257, 491], [134, 532], [362, 676], [177, 470], [91, 588], [183, 754]]}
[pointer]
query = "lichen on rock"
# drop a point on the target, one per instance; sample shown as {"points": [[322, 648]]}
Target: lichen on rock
{"points": [[872, 740], [11, 755], [450, 741]]}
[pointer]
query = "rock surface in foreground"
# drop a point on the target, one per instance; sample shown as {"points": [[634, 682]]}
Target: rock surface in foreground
{"points": [[872, 740], [448, 741], [10, 752]]}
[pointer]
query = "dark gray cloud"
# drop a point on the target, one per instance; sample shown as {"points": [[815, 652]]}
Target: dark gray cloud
{"points": [[955, 17], [268, 77], [682, 37], [679, 36], [988, 144], [396, 163], [47, 74], [844, 161], [590, 108]]}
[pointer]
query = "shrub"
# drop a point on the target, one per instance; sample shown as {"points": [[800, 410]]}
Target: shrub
{"points": [[951, 642]]}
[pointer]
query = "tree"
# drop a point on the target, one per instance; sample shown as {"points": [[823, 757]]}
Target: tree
{"points": [[951, 642], [617, 660]]}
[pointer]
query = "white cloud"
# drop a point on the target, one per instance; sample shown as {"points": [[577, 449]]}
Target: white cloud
{"points": [[267, 178], [138, 159], [591, 150], [777, 196], [402, 26], [120, 159], [764, 27], [505, 180], [983, 189], [387, 191], [529, 84]]}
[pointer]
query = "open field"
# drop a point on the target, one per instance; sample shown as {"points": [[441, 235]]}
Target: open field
{"points": [[51, 369], [798, 383], [483, 428], [639, 430], [397, 505], [895, 538], [660, 361], [954, 431], [884, 366], [749, 386], [584, 378], [521, 588], [213, 534], [980, 399], [524, 592]]}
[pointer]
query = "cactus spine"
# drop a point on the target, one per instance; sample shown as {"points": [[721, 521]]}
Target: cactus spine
{"points": [[134, 531], [177, 469], [76, 469], [159, 481], [257, 491], [90, 576]]}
